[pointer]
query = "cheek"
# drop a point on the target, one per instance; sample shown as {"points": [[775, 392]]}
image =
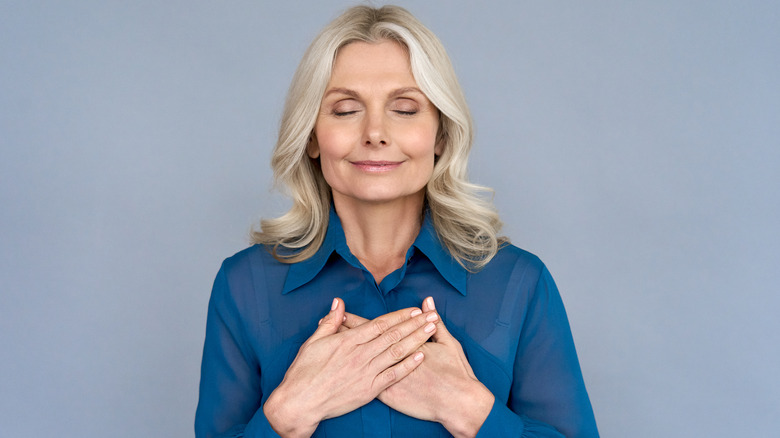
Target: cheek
{"points": [[421, 138], [333, 142], [420, 143], [331, 152]]}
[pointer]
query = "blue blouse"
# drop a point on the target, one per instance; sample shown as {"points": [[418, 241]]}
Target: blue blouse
{"points": [[508, 317]]}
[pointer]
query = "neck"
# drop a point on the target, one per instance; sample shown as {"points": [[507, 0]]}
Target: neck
{"points": [[380, 234]]}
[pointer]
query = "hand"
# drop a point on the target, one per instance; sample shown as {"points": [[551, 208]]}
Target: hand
{"points": [[335, 373], [443, 388]]}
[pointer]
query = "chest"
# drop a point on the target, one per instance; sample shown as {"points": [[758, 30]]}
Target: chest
{"points": [[475, 319]]}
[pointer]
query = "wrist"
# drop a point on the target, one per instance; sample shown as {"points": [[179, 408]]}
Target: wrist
{"points": [[286, 418], [471, 410]]}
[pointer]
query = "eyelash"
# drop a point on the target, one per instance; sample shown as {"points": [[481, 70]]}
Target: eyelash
{"points": [[349, 113]]}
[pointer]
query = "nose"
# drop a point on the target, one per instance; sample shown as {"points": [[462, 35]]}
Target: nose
{"points": [[375, 129]]}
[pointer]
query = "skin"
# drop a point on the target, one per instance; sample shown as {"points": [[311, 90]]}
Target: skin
{"points": [[443, 388], [375, 139], [335, 373], [374, 112]]}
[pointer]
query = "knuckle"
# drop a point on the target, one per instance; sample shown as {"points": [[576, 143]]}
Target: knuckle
{"points": [[380, 326], [393, 336], [404, 367], [389, 376], [396, 352]]}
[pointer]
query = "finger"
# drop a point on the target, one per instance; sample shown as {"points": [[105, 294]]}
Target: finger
{"points": [[380, 325], [428, 305], [402, 340], [331, 322], [441, 334], [353, 321], [398, 371]]}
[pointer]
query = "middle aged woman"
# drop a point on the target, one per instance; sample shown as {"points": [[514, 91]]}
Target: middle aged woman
{"points": [[440, 327]]}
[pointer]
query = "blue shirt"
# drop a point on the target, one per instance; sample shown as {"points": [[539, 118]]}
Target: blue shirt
{"points": [[508, 317]]}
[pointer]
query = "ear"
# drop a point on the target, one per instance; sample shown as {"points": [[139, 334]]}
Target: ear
{"points": [[441, 141], [312, 147], [438, 149]]}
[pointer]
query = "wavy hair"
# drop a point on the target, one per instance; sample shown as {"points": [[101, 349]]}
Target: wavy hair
{"points": [[465, 219]]}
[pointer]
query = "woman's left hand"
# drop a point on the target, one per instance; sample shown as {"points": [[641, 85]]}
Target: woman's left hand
{"points": [[443, 388]]}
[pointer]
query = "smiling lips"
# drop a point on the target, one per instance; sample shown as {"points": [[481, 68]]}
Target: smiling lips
{"points": [[376, 166]]}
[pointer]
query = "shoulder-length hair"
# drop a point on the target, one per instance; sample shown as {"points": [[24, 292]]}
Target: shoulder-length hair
{"points": [[466, 222]]}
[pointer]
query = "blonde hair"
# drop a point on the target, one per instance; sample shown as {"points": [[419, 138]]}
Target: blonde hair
{"points": [[467, 224]]}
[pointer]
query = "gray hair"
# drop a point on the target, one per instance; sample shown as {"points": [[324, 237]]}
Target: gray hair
{"points": [[466, 222]]}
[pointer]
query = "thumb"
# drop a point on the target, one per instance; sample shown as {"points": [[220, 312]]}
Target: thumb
{"points": [[441, 334], [331, 322]]}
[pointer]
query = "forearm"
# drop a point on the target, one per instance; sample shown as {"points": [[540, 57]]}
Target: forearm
{"points": [[468, 410], [289, 419]]}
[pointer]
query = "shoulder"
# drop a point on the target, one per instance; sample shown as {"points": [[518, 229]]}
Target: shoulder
{"points": [[248, 274], [511, 261], [514, 277], [246, 257], [512, 252]]}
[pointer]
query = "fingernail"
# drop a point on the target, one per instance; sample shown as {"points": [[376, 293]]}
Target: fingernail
{"points": [[416, 312], [418, 357], [335, 304], [320, 321], [344, 318], [430, 303], [432, 317], [430, 327]]}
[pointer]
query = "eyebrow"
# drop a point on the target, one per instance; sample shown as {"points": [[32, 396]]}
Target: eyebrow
{"points": [[346, 91], [353, 93]]}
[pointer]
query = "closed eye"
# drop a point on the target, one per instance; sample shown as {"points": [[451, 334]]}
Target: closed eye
{"points": [[405, 106]]}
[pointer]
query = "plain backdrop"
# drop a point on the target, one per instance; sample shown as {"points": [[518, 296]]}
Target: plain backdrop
{"points": [[633, 146]]}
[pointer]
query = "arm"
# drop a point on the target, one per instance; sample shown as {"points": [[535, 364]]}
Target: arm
{"points": [[332, 374], [547, 382], [337, 372], [444, 389], [230, 392]]}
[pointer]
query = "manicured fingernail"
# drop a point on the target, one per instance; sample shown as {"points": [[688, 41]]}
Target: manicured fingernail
{"points": [[430, 303], [430, 327], [432, 317], [418, 357], [335, 304], [416, 312], [320, 321]]}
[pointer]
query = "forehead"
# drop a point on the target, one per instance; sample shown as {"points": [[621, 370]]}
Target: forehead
{"points": [[363, 62]]}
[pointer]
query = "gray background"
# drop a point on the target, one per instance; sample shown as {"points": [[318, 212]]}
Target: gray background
{"points": [[632, 145]]}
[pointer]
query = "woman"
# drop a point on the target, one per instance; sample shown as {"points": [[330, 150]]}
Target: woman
{"points": [[438, 327]]}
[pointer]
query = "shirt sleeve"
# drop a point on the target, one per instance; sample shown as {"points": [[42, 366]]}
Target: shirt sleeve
{"points": [[503, 422], [229, 405], [547, 385]]}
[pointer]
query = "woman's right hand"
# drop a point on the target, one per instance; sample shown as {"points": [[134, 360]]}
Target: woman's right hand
{"points": [[335, 373]]}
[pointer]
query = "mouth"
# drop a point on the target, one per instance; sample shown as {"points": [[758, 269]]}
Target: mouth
{"points": [[376, 166]]}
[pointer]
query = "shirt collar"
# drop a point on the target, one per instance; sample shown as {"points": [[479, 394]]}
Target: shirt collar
{"points": [[427, 242], [303, 272]]}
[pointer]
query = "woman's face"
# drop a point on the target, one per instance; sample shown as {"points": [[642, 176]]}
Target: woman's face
{"points": [[375, 134]]}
